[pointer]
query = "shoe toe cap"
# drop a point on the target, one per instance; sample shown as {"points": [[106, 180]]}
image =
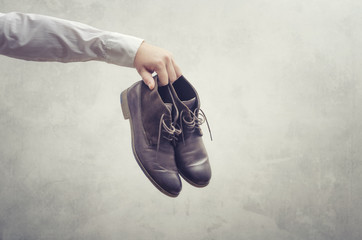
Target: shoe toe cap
{"points": [[198, 175], [170, 183]]}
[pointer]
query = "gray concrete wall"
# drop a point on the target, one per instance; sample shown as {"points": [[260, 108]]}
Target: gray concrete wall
{"points": [[280, 82]]}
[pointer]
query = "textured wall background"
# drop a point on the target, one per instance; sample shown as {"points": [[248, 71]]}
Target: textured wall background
{"points": [[280, 82]]}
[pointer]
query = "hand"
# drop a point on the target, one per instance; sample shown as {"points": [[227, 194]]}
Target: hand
{"points": [[151, 59]]}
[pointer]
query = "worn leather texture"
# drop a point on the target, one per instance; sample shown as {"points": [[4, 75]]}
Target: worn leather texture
{"points": [[153, 107], [146, 108], [191, 156]]}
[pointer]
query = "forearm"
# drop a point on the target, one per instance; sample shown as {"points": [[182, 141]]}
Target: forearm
{"points": [[42, 38]]}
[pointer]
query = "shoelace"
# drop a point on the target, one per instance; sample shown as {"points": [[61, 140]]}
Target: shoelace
{"points": [[196, 121], [172, 132]]}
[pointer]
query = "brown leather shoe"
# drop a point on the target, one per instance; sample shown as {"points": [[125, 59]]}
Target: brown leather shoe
{"points": [[153, 132], [191, 156]]}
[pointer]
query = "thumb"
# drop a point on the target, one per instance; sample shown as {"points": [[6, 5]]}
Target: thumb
{"points": [[147, 78]]}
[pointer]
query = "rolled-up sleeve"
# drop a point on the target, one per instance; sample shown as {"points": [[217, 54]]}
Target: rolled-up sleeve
{"points": [[42, 38]]}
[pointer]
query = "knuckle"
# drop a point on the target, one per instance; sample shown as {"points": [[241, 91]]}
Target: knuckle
{"points": [[167, 57], [159, 63]]}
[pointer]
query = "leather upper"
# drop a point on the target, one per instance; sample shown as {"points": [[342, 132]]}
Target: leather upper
{"points": [[190, 153], [159, 163]]}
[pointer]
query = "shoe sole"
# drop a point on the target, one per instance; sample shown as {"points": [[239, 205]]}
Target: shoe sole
{"points": [[127, 115]]}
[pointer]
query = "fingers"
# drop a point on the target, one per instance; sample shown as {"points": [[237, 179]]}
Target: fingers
{"points": [[147, 78], [177, 70], [151, 58], [162, 76], [168, 72], [171, 72]]}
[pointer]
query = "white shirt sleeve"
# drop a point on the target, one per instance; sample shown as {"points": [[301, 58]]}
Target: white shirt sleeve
{"points": [[42, 38]]}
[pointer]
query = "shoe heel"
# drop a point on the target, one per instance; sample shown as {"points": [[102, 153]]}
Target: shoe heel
{"points": [[124, 104]]}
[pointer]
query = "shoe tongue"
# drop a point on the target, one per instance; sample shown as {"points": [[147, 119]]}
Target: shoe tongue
{"points": [[169, 106], [190, 103]]}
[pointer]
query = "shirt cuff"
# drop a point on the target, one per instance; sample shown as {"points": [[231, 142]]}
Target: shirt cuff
{"points": [[121, 49]]}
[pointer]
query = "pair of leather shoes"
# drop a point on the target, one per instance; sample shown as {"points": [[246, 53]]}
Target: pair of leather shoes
{"points": [[166, 134]]}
